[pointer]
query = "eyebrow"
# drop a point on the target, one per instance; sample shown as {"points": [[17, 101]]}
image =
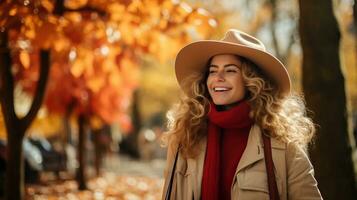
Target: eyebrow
{"points": [[226, 65]]}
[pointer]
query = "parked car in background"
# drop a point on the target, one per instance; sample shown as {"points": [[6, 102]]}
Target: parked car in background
{"points": [[52, 160], [39, 156]]}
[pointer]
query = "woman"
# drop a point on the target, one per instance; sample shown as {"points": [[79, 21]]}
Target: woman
{"points": [[239, 133]]}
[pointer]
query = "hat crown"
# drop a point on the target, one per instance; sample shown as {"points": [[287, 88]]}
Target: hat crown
{"points": [[238, 37]]}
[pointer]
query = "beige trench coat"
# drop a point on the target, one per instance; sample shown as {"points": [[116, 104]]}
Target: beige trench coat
{"points": [[293, 170]]}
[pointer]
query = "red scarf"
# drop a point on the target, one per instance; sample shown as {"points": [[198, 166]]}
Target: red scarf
{"points": [[227, 138]]}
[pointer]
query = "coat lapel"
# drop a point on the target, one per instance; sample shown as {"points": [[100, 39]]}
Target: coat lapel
{"points": [[254, 150]]}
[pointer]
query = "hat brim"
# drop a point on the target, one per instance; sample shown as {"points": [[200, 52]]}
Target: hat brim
{"points": [[193, 59]]}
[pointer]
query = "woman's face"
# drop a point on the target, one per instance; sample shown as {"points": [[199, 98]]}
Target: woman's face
{"points": [[225, 82]]}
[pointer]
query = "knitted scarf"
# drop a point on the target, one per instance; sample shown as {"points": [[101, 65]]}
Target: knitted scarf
{"points": [[235, 122]]}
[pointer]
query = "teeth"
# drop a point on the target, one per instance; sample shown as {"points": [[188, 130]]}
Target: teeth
{"points": [[220, 89]]}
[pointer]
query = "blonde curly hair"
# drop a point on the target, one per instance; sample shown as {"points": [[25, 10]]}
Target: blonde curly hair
{"points": [[281, 117]]}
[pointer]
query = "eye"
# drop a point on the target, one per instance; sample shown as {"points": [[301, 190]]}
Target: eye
{"points": [[211, 71], [232, 70]]}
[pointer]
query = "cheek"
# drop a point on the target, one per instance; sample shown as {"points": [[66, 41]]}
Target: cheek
{"points": [[239, 81], [240, 85], [208, 82]]}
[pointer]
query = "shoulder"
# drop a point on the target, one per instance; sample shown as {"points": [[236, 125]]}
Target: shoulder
{"points": [[296, 156], [172, 146], [296, 151], [297, 159]]}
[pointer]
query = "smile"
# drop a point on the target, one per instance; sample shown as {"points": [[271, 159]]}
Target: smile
{"points": [[221, 89]]}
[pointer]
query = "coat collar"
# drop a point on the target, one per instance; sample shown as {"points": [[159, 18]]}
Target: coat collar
{"points": [[252, 153]]}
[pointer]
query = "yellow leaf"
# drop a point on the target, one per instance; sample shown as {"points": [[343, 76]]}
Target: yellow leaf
{"points": [[116, 11], [25, 59], [30, 33], [96, 83], [108, 65], [48, 5], [74, 4], [127, 32], [61, 44], [130, 72], [83, 64], [47, 125], [13, 12], [115, 79], [73, 17], [77, 68], [95, 122]]}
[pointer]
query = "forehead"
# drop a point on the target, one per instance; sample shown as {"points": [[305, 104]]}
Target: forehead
{"points": [[225, 59]]}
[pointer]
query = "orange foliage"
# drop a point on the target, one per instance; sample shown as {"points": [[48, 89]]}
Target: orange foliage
{"points": [[95, 51]]}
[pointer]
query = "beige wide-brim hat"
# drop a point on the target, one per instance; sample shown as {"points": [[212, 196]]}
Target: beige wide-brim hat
{"points": [[193, 58]]}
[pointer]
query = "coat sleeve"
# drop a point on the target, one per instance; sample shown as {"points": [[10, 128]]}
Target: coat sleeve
{"points": [[300, 174]]}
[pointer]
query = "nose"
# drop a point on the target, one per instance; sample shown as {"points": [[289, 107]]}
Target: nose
{"points": [[220, 76]]}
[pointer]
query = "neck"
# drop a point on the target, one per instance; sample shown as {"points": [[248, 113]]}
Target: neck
{"points": [[227, 106]]}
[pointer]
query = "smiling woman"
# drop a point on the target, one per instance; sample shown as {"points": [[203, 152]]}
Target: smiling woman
{"points": [[239, 132]]}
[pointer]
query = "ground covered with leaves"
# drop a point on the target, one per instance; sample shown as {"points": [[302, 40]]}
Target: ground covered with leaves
{"points": [[109, 187]]}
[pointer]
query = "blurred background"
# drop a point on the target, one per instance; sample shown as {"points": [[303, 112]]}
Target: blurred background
{"points": [[86, 84]]}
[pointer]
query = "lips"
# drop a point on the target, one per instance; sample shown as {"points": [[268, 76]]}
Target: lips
{"points": [[221, 89]]}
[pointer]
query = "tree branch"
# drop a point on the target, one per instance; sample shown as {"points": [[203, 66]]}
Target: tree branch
{"points": [[286, 55], [87, 9], [273, 28], [40, 90], [60, 9]]}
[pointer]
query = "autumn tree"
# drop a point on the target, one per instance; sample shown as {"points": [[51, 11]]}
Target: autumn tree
{"points": [[324, 88], [16, 126], [95, 54]]}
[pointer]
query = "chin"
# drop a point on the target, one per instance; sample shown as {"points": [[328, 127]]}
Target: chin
{"points": [[221, 103]]}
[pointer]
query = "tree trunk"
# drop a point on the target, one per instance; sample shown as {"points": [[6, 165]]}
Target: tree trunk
{"points": [[14, 184], [14, 188], [67, 125], [82, 137], [102, 140], [324, 88], [16, 127], [129, 144], [97, 151]]}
